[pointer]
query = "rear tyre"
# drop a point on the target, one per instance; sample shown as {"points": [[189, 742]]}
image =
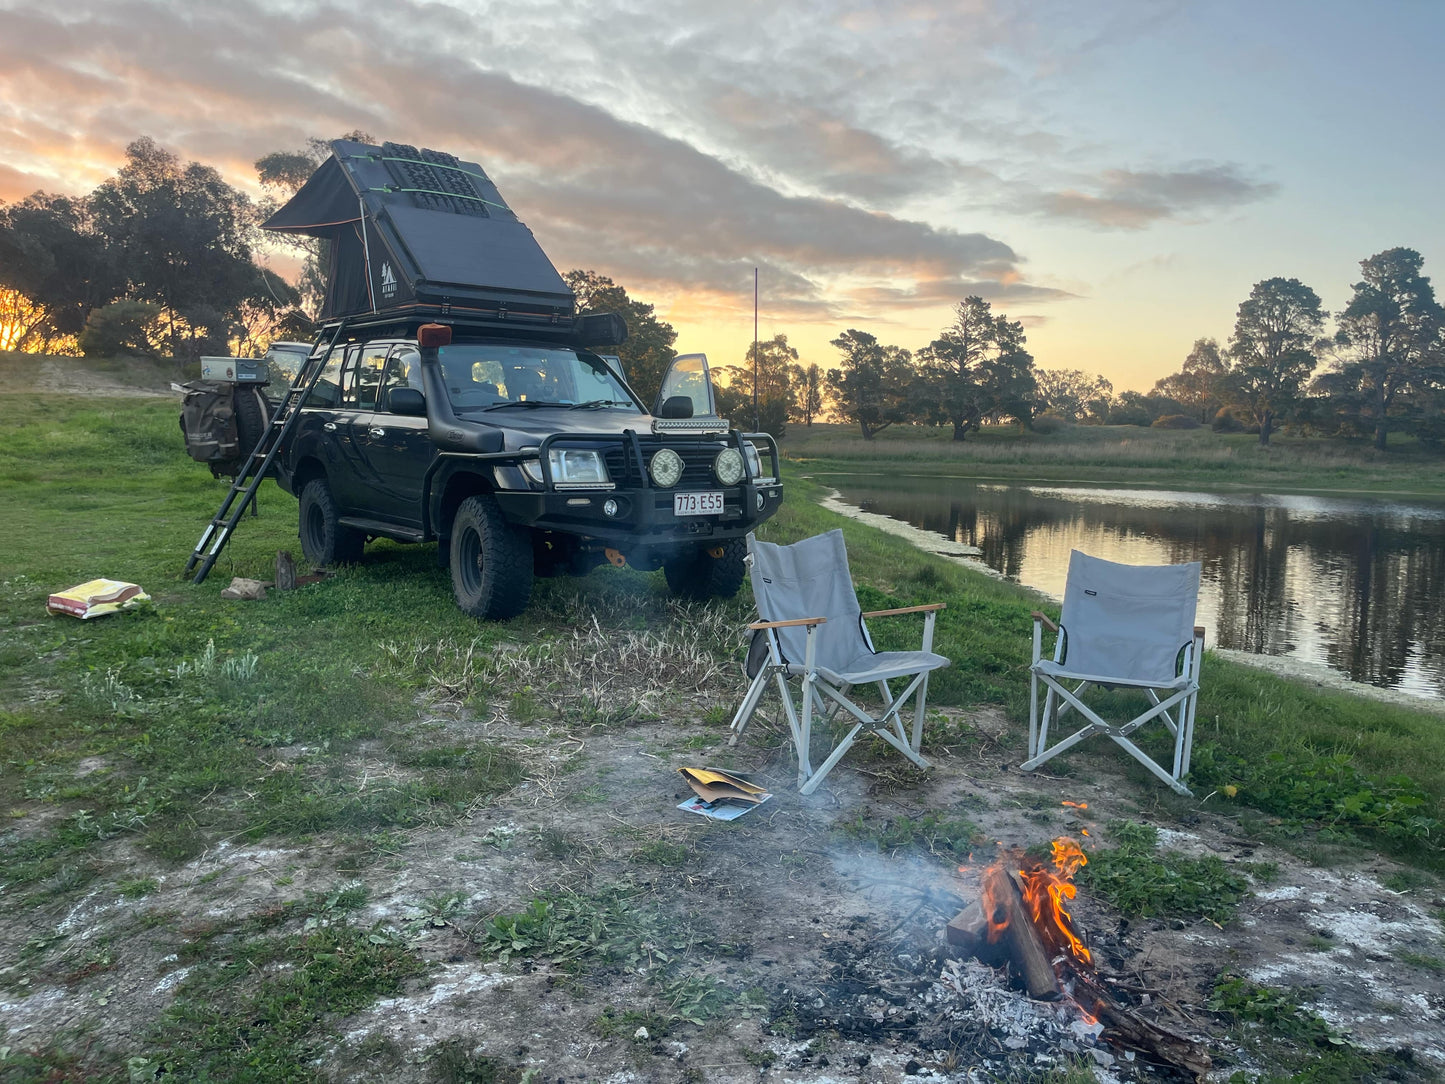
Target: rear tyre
{"points": [[324, 541], [491, 562], [252, 415], [698, 575]]}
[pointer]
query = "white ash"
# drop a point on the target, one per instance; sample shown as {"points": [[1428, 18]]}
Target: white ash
{"points": [[1018, 1021]]}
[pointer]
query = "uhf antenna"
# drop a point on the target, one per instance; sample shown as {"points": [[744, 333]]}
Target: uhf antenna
{"points": [[757, 418]]}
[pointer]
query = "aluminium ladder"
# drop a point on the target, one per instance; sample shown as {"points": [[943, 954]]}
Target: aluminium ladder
{"points": [[248, 480]]}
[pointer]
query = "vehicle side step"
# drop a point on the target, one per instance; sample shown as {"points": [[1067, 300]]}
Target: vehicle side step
{"points": [[385, 530]]}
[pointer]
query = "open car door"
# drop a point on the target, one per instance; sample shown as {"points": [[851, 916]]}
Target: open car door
{"points": [[687, 390]]}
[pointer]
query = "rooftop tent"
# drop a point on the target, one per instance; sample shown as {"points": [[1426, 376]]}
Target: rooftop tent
{"points": [[419, 233]]}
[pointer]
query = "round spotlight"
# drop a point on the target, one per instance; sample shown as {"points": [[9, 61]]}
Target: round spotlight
{"points": [[728, 466], [760, 501], [609, 506], [666, 468]]}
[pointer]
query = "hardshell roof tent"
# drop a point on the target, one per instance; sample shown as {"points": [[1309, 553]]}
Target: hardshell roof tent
{"points": [[420, 234]]}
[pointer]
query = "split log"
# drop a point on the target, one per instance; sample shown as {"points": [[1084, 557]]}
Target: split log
{"points": [[285, 571], [996, 928]]}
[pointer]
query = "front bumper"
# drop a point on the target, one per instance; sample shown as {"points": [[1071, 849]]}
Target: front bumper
{"points": [[644, 519]]}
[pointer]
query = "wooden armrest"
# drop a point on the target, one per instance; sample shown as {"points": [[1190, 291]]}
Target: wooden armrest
{"points": [[756, 625], [1037, 616], [906, 610], [1199, 632]]}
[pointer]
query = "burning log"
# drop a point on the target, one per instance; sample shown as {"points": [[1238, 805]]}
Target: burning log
{"points": [[996, 928], [1020, 919]]}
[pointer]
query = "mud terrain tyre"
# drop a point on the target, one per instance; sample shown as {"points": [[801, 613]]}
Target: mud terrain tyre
{"points": [[252, 415], [491, 562], [323, 540], [698, 575]]}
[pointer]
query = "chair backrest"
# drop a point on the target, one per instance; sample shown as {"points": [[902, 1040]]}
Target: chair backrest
{"points": [[809, 579], [1128, 621]]}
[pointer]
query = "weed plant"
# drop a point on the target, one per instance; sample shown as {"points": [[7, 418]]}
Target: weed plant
{"points": [[1139, 879]]}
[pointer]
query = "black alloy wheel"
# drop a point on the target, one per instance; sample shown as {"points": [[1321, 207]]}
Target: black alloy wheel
{"points": [[491, 562], [324, 541]]}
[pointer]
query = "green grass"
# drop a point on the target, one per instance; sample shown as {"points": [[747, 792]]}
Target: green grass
{"points": [[953, 839], [1139, 879], [1123, 454], [1295, 1045]]}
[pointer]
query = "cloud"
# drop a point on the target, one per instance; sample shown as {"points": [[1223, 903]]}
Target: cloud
{"points": [[1124, 199]]}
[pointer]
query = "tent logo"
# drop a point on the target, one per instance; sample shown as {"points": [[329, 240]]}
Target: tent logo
{"points": [[388, 281]]}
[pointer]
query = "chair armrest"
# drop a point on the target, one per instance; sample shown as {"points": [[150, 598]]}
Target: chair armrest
{"points": [[1199, 632], [1037, 616], [757, 625], [906, 610]]}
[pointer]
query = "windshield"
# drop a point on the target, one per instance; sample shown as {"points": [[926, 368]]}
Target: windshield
{"points": [[485, 375]]}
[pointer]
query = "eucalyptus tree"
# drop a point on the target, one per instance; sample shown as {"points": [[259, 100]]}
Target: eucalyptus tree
{"points": [[1392, 370], [1272, 351], [872, 383]]}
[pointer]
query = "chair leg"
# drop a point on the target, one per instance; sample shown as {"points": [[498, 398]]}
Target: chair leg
{"points": [[805, 743], [748, 706], [801, 747], [1034, 705], [919, 705], [827, 766]]}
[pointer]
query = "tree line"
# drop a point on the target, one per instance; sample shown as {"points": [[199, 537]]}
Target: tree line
{"points": [[162, 259]]}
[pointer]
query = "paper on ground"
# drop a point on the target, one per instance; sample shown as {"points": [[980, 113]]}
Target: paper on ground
{"points": [[96, 598], [725, 810]]}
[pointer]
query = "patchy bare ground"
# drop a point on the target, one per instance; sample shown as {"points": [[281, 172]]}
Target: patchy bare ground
{"points": [[830, 952]]}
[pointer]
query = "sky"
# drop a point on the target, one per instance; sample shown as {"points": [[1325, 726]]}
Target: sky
{"points": [[1116, 175]]}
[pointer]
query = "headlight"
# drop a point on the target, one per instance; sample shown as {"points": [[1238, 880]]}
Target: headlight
{"points": [[728, 466], [570, 466], [666, 468]]}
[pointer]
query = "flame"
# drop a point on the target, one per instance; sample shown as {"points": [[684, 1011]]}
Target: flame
{"points": [[1045, 891], [1075, 805]]}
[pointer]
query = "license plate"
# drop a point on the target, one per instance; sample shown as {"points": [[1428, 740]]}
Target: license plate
{"points": [[697, 504]]}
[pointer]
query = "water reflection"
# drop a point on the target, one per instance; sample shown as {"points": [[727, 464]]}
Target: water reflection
{"points": [[1358, 585]]}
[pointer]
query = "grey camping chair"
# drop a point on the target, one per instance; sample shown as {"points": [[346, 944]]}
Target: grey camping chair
{"points": [[814, 631], [1130, 626]]}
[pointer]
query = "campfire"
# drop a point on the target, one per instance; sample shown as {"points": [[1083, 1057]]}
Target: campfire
{"points": [[1021, 921]]}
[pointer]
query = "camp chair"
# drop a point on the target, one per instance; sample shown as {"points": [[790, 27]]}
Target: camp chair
{"points": [[812, 630], [1130, 626]]}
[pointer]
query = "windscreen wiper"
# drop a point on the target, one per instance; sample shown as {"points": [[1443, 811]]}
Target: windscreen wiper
{"points": [[522, 403], [593, 404]]}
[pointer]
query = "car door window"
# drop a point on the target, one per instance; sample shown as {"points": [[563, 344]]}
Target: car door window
{"points": [[403, 370], [327, 391], [360, 390]]}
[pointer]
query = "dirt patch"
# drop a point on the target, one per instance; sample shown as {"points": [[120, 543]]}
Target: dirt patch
{"points": [[824, 955], [64, 379]]}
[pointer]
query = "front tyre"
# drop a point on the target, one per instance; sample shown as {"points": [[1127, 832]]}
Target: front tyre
{"points": [[697, 574], [324, 541], [491, 562]]}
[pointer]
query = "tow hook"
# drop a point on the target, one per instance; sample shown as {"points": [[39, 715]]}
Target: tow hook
{"points": [[716, 552], [615, 557]]}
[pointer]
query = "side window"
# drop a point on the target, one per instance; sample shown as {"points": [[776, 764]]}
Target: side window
{"points": [[403, 370], [327, 392], [360, 390]]}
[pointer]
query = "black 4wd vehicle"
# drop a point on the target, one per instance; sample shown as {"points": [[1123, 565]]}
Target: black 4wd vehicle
{"points": [[520, 458], [453, 395]]}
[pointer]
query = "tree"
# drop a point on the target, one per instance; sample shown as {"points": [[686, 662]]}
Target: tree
{"points": [[54, 270], [649, 347], [1008, 375], [809, 384], [951, 366], [181, 236], [871, 385], [1391, 333], [1273, 349], [1072, 393], [1197, 385], [776, 394], [122, 327]]}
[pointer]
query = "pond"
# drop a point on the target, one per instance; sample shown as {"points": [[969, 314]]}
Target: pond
{"points": [[1356, 584]]}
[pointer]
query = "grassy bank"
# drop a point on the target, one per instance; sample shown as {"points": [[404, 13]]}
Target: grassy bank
{"points": [[347, 727], [103, 489], [1114, 455]]}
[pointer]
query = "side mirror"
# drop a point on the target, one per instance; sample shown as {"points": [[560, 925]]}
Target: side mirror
{"points": [[687, 377], [407, 401], [676, 406]]}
